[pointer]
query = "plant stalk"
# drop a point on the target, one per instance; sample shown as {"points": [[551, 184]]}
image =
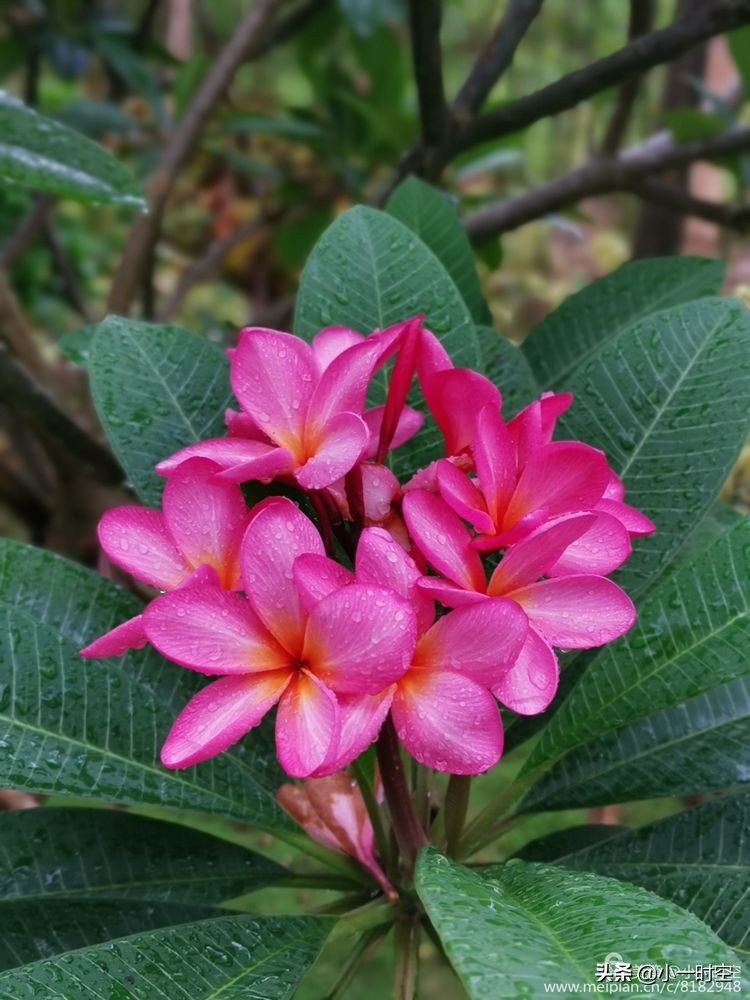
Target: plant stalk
{"points": [[456, 807], [373, 811], [407, 957], [410, 836]]}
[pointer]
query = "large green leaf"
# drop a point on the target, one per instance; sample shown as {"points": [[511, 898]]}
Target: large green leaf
{"points": [[39, 153], [667, 402], [699, 858], [84, 854], [518, 927], [35, 929], [604, 309], [93, 729], [233, 958], [691, 636], [506, 365], [156, 389], [429, 214]]}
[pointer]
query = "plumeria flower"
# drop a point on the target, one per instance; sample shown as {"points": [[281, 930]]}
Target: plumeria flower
{"points": [[194, 538], [332, 811], [441, 707], [302, 408], [316, 665], [576, 611]]}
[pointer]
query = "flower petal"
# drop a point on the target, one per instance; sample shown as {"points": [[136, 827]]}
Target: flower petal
{"points": [[600, 549], [379, 489], [315, 577], [275, 537], [362, 716], [339, 446], [240, 459], [409, 422], [212, 631], [463, 497], [343, 385], [219, 715], [562, 477], [307, 726], [495, 460], [530, 684], [128, 635], [534, 426], [380, 560], [332, 341], [443, 539], [632, 519], [136, 539], [479, 641], [531, 558], [455, 396], [577, 612], [273, 376], [360, 639], [206, 518], [447, 721], [449, 594]]}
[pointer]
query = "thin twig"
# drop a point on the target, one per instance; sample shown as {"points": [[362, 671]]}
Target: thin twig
{"points": [[407, 957], [601, 175], [683, 203], [66, 272], [425, 17], [28, 229], [640, 22], [496, 56]]}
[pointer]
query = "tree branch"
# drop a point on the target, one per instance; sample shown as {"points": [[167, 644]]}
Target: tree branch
{"points": [[425, 17], [27, 230], [497, 55], [601, 175], [683, 203], [713, 17], [640, 22], [246, 43]]}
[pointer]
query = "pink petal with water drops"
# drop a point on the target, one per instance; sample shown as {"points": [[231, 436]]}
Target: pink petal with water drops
{"points": [[447, 721], [137, 540], [409, 422], [577, 612], [530, 684], [528, 560], [332, 341], [562, 477], [479, 641], [523, 527], [449, 594], [343, 385], [241, 424], [443, 540], [601, 549], [535, 424], [360, 639], [455, 397], [273, 376], [339, 446], [463, 497], [380, 560], [239, 459], [495, 460], [615, 489], [379, 489], [315, 577], [206, 518], [362, 716], [219, 715], [635, 522], [273, 540], [212, 631], [128, 635], [307, 726]]}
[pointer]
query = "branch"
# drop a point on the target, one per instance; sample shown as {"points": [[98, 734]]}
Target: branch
{"points": [[601, 175], [424, 21], [714, 17], [683, 203], [28, 228], [497, 55], [641, 20], [246, 43]]}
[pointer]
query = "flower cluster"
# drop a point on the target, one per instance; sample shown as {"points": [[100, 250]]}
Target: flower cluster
{"points": [[333, 621]]}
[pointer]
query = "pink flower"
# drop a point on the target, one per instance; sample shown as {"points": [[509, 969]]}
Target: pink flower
{"points": [[322, 667], [442, 708], [576, 611], [302, 407], [194, 538], [332, 811]]}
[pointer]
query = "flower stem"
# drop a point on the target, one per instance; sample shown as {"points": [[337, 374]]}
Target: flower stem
{"points": [[324, 520], [407, 957], [373, 811], [302, 880], [410, 836], [455, 808], [367, 942]]}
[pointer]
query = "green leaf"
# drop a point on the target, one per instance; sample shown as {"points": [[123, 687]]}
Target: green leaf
{"points": [[687, 124], [666, 401], [429, 214], [93, 729], [78, 854], [131, 69], [506, 365], [691, 637], [604, 309], [76, 344], [739, 47], [519, 927], [156, 389], [699, 858], [229, 957], [288, 128], [37, 929], [38, 153], [365, 16], [718, 519], [560, 843]]}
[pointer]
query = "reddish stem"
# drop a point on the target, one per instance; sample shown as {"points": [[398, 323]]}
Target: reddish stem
{"points": [[410, 836]]}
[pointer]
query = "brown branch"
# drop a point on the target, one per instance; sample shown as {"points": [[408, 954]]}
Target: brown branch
{"points": [[640, 22], [497, 55], [28, 229], [601, 175], [245, 44], [15, 333], [65, 270], [683, 203], [425, 17]]}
